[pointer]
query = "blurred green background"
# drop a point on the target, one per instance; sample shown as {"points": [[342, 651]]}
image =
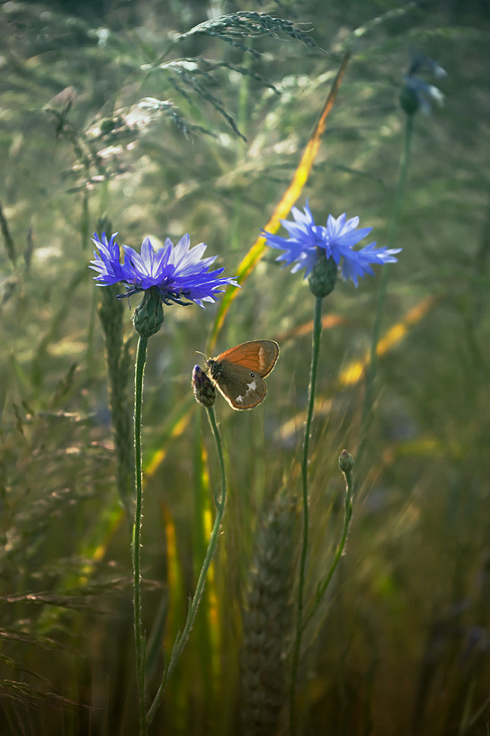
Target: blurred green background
{"points": [[401, 644]]}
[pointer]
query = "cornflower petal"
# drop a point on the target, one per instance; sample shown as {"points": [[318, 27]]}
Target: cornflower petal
{"points": [[337, 239], [178, 273], [106, 262], [360, 265], [420, 62]]}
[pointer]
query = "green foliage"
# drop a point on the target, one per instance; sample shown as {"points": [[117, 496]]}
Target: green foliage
{"points": [[168, 119]]}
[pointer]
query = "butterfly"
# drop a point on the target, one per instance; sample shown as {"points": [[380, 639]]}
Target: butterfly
{"points": [[240, 371]]}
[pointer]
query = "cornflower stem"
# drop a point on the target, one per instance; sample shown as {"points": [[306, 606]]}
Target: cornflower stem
{"points": [[323, 585], [181, 639], [317, 330], [139, 636], [383, 286]]}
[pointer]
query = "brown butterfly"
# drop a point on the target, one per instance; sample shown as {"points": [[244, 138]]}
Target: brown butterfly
{"points": [[240, 371]]}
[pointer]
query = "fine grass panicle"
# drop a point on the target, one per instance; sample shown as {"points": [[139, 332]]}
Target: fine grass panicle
{"points": [[356, 613], [250, 24], [267, 619]]}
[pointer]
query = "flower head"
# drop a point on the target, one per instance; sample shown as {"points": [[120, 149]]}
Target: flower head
{"points": [[177, 273], [307, 241], [417, 92]]}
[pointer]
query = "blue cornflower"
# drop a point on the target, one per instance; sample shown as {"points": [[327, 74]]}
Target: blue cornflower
{"points": [[107, 262], [176, 272], [418, 93], [307, 241]]}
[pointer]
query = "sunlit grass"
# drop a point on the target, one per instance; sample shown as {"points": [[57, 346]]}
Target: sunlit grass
{"points": [[399, 644]]}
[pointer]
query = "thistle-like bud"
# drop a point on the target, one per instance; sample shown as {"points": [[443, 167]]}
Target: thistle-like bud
{"points": [[409, 100], [204, 390], [346, 462], [323, 276], [148, 315]]}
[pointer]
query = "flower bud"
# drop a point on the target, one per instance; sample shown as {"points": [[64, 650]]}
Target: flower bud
{"points": [[148, 315], [204, 390], [323, 275], [346, 462], [409, 100]]}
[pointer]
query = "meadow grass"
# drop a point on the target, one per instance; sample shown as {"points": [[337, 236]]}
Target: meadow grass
{"points": [[159, 119]]}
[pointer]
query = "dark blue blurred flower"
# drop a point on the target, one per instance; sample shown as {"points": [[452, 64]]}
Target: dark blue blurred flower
{"points": [[418, 93], [420, 62], [336, 239], [177, 272]]}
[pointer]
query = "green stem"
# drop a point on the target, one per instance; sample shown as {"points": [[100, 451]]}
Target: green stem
{"points": [[136, 548], [322, 587], [383, 287], [181, 639], [317, 330]]}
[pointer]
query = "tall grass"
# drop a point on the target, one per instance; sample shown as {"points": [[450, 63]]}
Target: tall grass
{"points": [[108, 112]]}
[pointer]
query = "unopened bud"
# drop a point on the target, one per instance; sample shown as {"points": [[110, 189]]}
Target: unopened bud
{"points": [[204, 390], [346, 462]]}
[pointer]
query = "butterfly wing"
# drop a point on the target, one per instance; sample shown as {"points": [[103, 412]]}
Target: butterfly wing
{"points": [[259, 356], [241, 387], [240, 371]]}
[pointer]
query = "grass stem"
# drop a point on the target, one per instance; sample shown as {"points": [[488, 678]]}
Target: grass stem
{"points": [[323, 585], [181, 639], [136, 547], [317, 330]]}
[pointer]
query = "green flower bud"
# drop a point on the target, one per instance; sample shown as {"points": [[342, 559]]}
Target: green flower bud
{"points": [[323, 275], [409, 100], [346, 462], [148, 315]]}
